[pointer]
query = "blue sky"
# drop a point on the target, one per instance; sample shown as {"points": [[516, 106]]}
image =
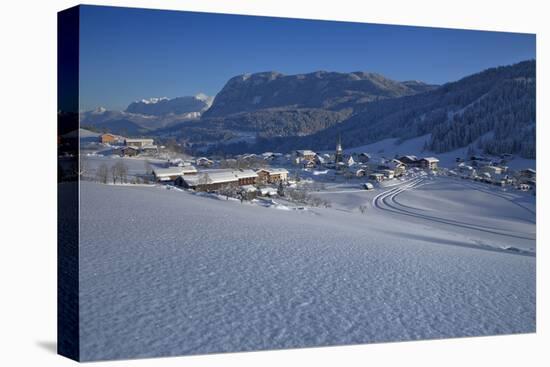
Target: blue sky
{"points": [[129, 54]]}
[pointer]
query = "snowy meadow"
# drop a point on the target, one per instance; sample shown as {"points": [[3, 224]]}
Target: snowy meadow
{"points": [[168, 272]]}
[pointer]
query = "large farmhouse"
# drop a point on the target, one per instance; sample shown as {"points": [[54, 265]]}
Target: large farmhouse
{"points": [[429, 163], [413, 161], [272, 175], [306, 154], [410, 160], [108, 138], [171, 174], [138, 143], [129, 151], [211, 180]]}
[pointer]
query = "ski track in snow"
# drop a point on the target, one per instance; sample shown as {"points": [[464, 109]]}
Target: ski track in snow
{"points": [[164, 272], [387, 201]]}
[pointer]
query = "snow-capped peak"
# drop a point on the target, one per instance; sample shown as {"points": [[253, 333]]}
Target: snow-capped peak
{"points": [[99, 111], [206, 99], [153, 100]]}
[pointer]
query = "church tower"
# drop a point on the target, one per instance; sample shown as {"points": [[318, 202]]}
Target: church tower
{"points": [[339, 155]]}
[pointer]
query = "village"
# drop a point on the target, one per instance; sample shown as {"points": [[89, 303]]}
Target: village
{"points": [[293, 177]]}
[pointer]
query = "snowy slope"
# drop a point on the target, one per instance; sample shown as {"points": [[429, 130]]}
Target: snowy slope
{"points": [[165, 272], [390, 147]]}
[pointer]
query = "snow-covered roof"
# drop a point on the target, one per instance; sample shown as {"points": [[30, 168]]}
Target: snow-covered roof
{"points": [[173, 171], [410, 157], [431, 159], [248, 188], [188, 169], [274, 171], [219, 176], [134, 140], [306, 152], [129, 147], [268, 190], [245, 173], [149, 146]]}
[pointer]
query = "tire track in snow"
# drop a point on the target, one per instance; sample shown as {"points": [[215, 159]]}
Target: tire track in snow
{"points": [[386, 201]]}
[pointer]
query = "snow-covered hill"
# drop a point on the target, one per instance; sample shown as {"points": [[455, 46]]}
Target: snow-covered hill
{"points": [[391, 147], [166, 272]]}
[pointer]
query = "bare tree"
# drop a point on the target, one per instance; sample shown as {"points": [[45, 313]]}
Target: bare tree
{"points": [[173, 146], [229, 190], [114, 174], [281, 189], [102, 173], [83, 167], [122, 171], [148, 167]]}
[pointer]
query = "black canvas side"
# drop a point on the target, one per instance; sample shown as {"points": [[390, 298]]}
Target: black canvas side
{"points": [[68, 343]]}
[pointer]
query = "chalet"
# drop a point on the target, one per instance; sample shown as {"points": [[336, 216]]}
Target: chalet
{"points": [[376, 177], [204, 162], [149, 149], [308, 163], [171, 174], [388, 173], [360, 172], [492, 170], [368, 186], [480, 161], [466, 171], [350, 162], [306, 154], [363, 157], [528, 173], [528, 176], [397, 167], [128, 151], [138, 143], [108, 138], [429, 163], [410, 160], [272, 175]]}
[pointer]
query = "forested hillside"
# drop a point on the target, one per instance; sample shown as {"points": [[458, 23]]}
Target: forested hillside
{"points": [[494, 109]]}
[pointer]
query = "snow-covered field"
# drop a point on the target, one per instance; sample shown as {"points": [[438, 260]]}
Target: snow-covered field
{"points": [[166, 272]]}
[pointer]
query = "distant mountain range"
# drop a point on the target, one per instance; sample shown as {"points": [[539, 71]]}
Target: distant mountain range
{"points": [[166, 106], [143, 117], [493, 109]]}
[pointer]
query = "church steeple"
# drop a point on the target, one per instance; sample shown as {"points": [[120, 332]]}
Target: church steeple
{"points": [[339, 155]]}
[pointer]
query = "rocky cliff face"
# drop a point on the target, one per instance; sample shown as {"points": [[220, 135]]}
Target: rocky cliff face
{"points": [[321, 89]]}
